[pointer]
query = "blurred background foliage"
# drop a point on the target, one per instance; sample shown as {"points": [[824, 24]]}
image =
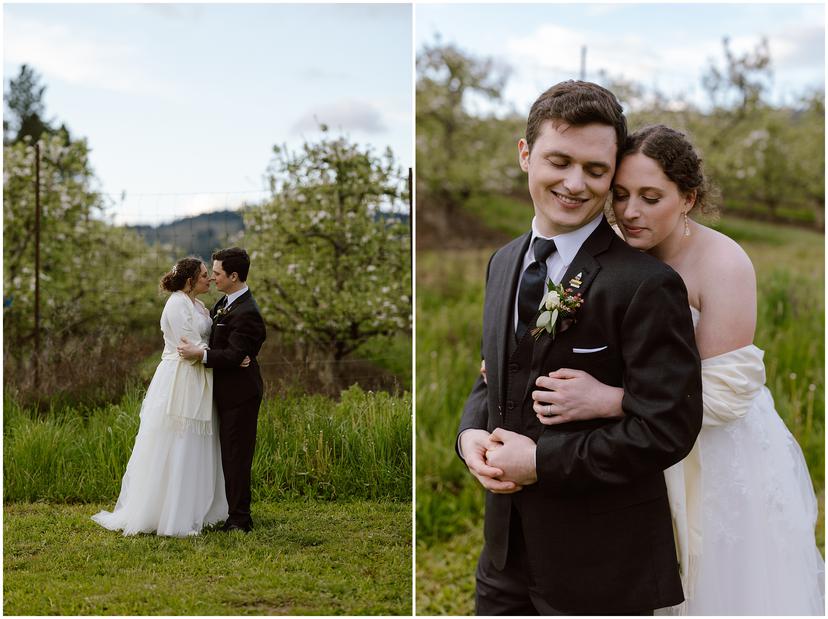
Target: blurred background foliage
{"points": [[752, 149]]}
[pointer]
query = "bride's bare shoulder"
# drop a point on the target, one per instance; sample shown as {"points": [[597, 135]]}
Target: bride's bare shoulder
{"points": [[724, 267], [723, 258]]}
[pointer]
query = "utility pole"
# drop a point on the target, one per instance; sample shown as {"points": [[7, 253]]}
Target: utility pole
{"points": [[37, 268], [583, 62], [411, 229]]}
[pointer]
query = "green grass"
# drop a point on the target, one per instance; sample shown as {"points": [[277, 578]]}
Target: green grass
{"points": [[789, 264], [307, 446], [445, 574], [304, 558]]}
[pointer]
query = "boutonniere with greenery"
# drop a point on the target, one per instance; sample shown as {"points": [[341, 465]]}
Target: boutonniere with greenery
{"points": [[222, 311], [557, 310]]}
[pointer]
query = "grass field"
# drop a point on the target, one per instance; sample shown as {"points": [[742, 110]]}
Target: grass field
{"points": [[303, 558], [789, 264], [332, 507]]}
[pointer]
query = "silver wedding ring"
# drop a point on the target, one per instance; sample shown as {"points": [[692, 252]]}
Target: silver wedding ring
{"points": [[548, 412]]}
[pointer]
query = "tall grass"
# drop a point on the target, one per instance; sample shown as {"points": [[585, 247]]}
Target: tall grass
{"points": [[789, 265], [307, 446], [449, 321]]}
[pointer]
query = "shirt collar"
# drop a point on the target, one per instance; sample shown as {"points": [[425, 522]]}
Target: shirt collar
{"points": [[234, 296], [568, 243]]}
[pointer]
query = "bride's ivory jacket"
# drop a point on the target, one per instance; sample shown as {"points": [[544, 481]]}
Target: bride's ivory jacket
{"points": [[190, 401]]}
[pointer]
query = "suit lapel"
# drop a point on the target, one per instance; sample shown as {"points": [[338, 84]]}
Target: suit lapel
{"points": [[583, 268], [233, 306], [507, 279], [219, 304], [242, 298]]}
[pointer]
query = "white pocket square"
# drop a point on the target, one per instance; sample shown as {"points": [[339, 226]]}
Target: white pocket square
{"points": [[588, 350]]}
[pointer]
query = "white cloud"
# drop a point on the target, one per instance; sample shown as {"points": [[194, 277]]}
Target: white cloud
{"points": [[799, 46], [551, 53], [348, 114], [557, 49], [61, 53]]}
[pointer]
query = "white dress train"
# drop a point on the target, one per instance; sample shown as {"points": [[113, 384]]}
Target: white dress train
{"points": [[757, 508], [173, 484]]}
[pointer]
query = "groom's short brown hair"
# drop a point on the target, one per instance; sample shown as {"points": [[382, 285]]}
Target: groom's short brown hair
{"points": [[577, 103], [234, 260]]}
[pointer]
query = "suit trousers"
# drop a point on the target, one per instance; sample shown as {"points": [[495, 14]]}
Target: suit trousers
{"points": [[512, 591], [237, 433]]}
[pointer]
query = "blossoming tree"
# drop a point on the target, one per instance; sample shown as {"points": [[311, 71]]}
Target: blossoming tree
{"points": [[331, 248], [95, 278]]}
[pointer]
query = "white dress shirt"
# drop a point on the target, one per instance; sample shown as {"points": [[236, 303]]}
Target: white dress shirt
{"points": [[234, 296], [567, 246]]}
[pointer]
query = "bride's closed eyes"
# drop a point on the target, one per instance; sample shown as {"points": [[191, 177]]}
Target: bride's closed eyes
{"points": [[622, 196]]}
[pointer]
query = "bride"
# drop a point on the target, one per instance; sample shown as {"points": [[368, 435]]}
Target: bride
{"points": [[173, 484], [743, 505]]}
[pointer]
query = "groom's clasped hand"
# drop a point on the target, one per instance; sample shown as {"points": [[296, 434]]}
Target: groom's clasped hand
{"points": [[502, 461]]}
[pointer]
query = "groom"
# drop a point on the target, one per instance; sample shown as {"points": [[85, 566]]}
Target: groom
{"points": [[577, 519], [238, 332]]}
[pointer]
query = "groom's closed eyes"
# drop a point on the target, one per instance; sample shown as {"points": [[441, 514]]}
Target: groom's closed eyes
{"points": [[596, 169]]}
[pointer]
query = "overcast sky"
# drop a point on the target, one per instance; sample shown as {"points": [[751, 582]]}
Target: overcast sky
{"points": [[187, 101], [662, 45], [182, 104]]}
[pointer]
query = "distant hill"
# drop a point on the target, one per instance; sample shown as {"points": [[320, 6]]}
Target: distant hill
{"points": [[197, 236], [203, 234]]}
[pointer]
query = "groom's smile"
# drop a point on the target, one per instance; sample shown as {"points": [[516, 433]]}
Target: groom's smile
{"points": [[568, 201], [570, 171]]}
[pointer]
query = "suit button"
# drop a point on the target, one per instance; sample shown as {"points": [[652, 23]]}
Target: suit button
{"points": [[500, 410], [510, 405], [514, 367]]}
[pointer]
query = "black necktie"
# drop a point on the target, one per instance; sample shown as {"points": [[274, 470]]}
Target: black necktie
{"points": [[532, 285], [223, 303]]}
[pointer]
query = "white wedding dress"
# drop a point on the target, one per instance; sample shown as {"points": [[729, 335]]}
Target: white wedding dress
{"points": [[173, 484], [757, 507]]}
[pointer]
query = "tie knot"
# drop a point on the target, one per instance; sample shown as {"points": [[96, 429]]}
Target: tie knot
{"points": [[542, 249]]}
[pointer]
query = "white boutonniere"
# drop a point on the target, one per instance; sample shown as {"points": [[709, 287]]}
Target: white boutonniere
{"points": [[222, 311], [557, 309]]}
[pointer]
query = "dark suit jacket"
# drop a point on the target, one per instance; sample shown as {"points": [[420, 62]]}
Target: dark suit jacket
{"points": [[597, 523], [238, 333]]}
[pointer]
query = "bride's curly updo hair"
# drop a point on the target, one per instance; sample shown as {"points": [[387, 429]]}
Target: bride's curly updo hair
{"points": [[677, 158], [185, 270]]}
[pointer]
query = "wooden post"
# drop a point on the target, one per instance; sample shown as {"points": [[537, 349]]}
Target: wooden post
{"points": [[37, 268], [411, 229]]}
